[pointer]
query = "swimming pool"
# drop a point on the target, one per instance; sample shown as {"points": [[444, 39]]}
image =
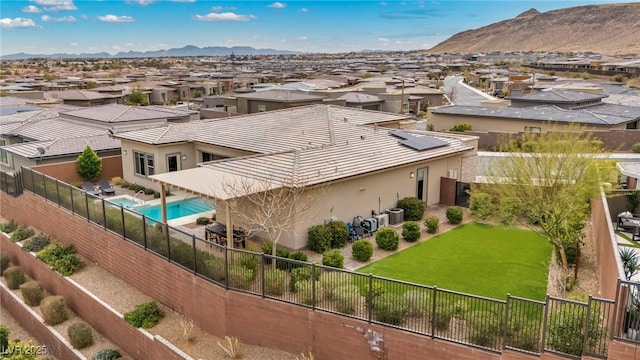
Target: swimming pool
{"points": [[175, 209]]}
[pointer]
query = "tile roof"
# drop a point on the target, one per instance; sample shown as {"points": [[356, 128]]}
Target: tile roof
{"points": [[68, 146], [559, 96], [354, 97], [84, 95], [8, 123], [280, 95], [594, 115], [114, 113], [45, 129]]}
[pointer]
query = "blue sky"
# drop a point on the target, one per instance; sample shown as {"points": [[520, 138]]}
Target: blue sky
{"points": [[72, 26]]}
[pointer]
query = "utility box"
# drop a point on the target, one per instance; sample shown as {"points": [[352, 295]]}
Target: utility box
{"points": [[383, 220], [396, 215]]}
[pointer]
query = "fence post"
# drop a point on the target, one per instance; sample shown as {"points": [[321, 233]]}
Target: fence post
{"points": [[166, 232], [124, 236], [313, 286], [144, 231], [544, 323], [104, 214], [262, 260], [44, 187], [370, 299], [73, 209], [86, 200], [586, 326], [616, 325], [195, 254], [506, 322], [433, 312], [33, 182], [226, 268], [57, 192]]}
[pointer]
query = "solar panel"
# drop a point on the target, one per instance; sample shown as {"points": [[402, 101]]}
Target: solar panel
{"points": [[419, 143]]}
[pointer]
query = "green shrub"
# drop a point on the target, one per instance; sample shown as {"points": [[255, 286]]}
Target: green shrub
{"points": [[432, 223], [203, 220], [484, 328], [390, 309], [274, 282], [36, 243], [157, 195], [17, 349], [299, 255], [14, 276], [240, 277], [530, 146], [333, 258], [5, 260], [32, 293], [481, 205], [304, 291], [565, 330], [442, 319], [107, 354], [89, 164], [61, 258], [635, 148], [148, 191], [463, 126], [146, 315], [4, 338], [413, 208], [347, 299], [8, 227], [339, 234], [319, 239], [377, 289], [411, 231], [331, 281], [454, 215], [21, 233], [249, 261], [387, 239], [362, 250], [417, 302], [301, 274], [53, 309], [80, 335]]}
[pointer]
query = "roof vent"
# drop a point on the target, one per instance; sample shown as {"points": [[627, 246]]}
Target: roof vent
{"points": [[344, 119], [361, 137]]}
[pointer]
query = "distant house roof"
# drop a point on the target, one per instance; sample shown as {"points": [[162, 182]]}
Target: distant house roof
{"points": [[599, 115], [115, 113], [68, 146], [280, 96], [559, 96], [80, 95], [52, 128], [10, 122], [359, 98]]}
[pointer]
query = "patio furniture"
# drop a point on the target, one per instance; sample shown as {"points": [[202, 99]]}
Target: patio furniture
{"points": [[629, 223], [89, 188], [106, 187], [217, 232]]}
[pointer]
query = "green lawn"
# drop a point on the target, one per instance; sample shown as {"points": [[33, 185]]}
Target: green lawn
{"points": [[476, 259]]}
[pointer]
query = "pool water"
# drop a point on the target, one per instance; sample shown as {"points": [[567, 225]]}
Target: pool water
{"points": [[176, 209]]}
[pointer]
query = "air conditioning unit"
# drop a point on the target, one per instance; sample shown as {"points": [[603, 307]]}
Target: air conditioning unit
{"points": [[333, 218], [452, 174], [383, 220]]}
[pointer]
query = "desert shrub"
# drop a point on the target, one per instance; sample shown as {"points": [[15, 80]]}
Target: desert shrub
{"points": [[148, 191], [32, 293], [454, 215], [274, 282], [80, 335], [390, 309], [17, 350], [463, 126], [411, 231], [442, 319], [375, 291], [481, 205], [146, 315], [107, 354], [339, 234], [304, 291], [362, 250], [240, 277], [203, 220], [331, 281], [346, 299], [298, 255], [8, 227], [301, 274], [597, 144], [62, 258], [157, 195], [53, 309], [210, 266], [387, 239], [636, 147], [432, 223], [333, 258], [530, 146], [249, 261], [319, 239], [14, 276], [413, 208], [484, 328], [4, 338], [21, 233], [5, 260], [36, 243], [417, 302]]}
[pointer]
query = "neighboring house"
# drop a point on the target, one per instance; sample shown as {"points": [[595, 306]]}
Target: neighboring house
{"points": [[566, 99], [269, 100], [85, 98], [362, 101], [366, 167]]}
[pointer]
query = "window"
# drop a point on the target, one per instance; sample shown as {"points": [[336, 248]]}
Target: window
{"points": [[210, 157], [631, 125], [262, 108], [405, 108], [173, 162], [534, 129], [144, 164]]}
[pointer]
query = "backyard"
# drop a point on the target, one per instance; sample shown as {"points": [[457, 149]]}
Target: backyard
{"points": [[484, 260]]}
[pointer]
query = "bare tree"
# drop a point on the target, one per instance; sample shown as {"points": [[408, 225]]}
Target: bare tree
{"points": [[270, 207], [451, 94]]}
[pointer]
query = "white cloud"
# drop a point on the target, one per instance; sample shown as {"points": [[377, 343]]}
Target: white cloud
{"points": [[302, 38], [31, 9], [84, 17], [73, 44], [304, 10], [56, 5], [228, 16], [116, 47], [216, 8], [141, 2], [47, 18], [8, 23], [384, 40], [115, 19], [277, 5]]}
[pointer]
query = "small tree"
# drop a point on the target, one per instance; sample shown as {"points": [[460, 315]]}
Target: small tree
{"points": [[137, 97], [89, 164]]}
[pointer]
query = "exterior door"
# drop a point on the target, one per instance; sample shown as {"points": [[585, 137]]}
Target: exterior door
{"points": [[422, 184], [173, 162]]}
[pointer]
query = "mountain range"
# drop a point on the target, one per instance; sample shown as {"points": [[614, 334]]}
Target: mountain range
{"points": [[189, 50], [607, 29]]}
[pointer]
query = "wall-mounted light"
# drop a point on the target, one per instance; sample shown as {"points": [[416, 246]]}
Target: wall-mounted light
{"points": [[362, 189], [184, 157], [124, 152], [412, 174]]}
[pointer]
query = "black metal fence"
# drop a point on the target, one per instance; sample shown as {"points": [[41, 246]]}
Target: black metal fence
{"points": [[556, 325], [11, 183], [462, 194]]}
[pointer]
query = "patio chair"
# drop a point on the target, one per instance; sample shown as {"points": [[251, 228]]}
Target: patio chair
{"points": [[90, 189], [105, 187], [629, 223]]}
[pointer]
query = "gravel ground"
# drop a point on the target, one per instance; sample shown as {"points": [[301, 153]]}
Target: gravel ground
{"points": [[17, 332]]}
